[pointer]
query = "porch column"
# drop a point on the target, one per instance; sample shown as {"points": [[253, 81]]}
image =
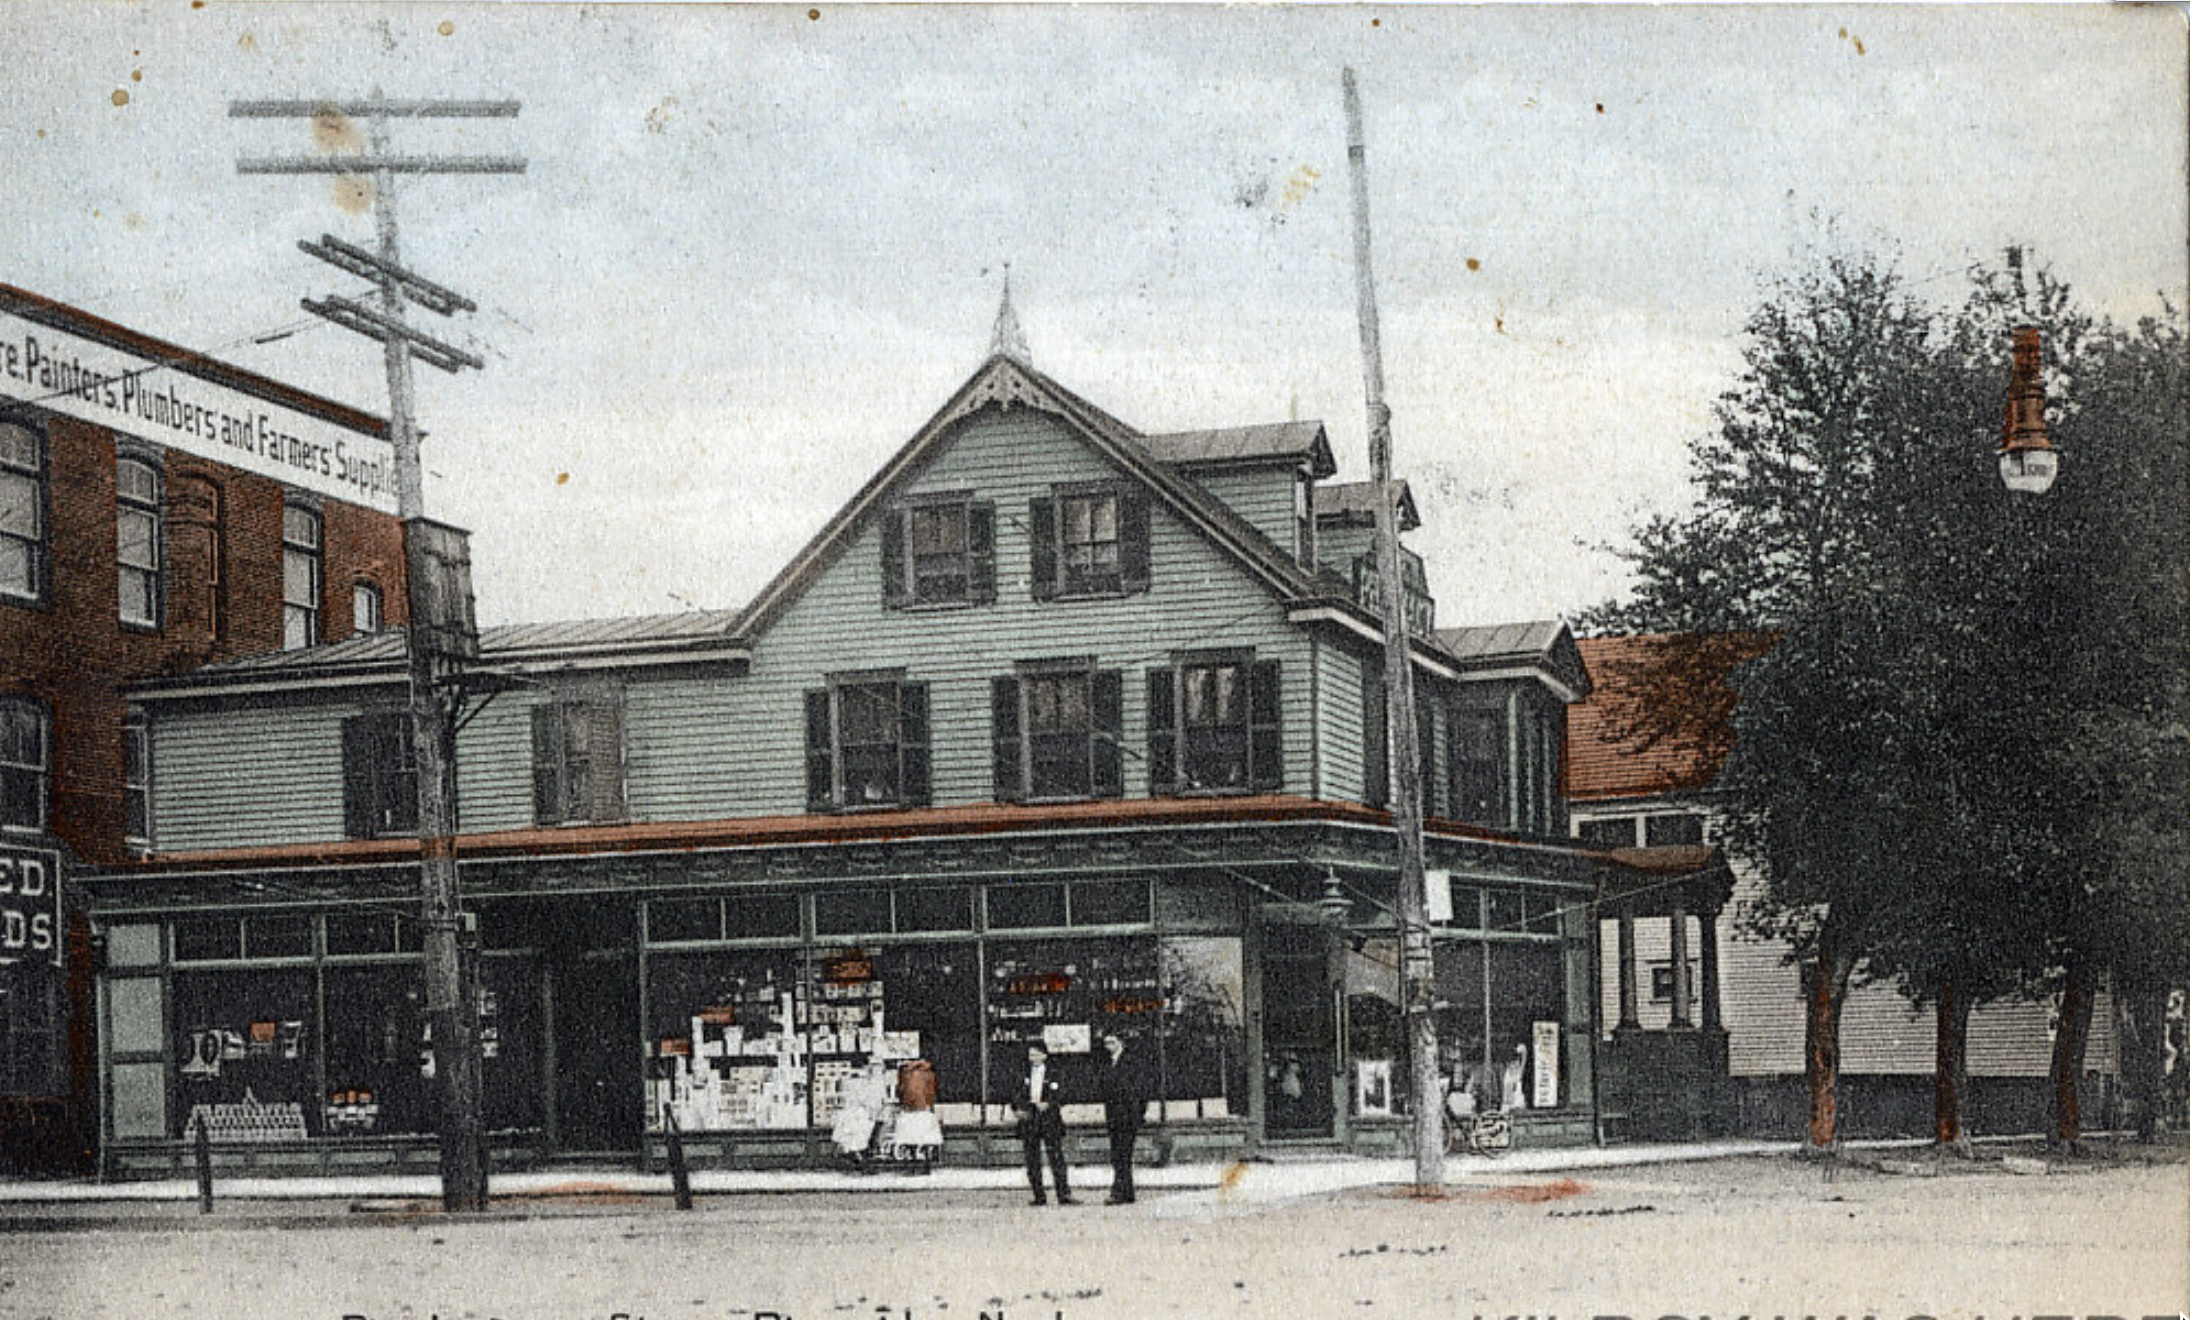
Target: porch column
{"points": [[1710, 956], [1629, 1018], [1681, 988]]}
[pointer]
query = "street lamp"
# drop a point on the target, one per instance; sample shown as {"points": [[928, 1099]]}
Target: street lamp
{"points": [[2028, 462]]}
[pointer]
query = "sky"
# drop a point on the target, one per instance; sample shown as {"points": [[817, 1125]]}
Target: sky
{"points": [[757, 247]]}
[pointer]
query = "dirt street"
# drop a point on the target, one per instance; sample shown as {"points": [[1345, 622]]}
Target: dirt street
{"points": [[1757, 1237]]}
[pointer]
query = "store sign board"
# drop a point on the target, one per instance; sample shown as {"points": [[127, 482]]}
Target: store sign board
{"points": [[1437, 895], [148, 399], [1544, 1079], [30, 905]]}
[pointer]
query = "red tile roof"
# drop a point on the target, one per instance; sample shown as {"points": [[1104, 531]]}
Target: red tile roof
{"points": [[1658, 717]]}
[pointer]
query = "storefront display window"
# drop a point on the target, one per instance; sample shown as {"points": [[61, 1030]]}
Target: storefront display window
{"points": [[1501, 1006], [376, 1052], [1065, 993], [246, 1045], [1203, 1045], [1376, 1031], [727, 1048]]}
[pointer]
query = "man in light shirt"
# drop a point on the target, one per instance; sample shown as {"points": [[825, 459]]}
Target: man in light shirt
{"points": [[1042, 1124]]}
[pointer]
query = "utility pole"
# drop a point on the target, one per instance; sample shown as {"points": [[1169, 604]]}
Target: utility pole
{"points": [[1417, 974], [440, 635]]}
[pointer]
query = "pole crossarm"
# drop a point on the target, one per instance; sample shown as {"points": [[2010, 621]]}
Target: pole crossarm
{"points": [[376, 107], [356, 260], [358, 164], [364, 320]]}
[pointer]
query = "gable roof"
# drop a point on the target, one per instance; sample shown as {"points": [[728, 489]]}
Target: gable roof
{"points": [[1353, 503], [1279, 443], [1660, 718], [1005, 383], [1545, 646]]}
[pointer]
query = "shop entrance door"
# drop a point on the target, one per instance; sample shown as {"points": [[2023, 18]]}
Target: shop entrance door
{"points": [[597, 1070], [1300, 1032]]}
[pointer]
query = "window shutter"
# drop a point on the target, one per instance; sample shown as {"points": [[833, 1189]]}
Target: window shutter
{"points": [[547, 764], [357, 777], [1132, 541], [912, 743], [1163, 734], [1042, 548], [1010, 776], [894, 575], [820, 768], [981, 552], [1376, 760], [1109, 766], [608, 761], [1266, 729]]}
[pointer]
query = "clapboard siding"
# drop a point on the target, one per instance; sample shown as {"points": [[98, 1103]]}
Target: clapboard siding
{"points": [[1338, 736], [1263, 496], [249, 777]]}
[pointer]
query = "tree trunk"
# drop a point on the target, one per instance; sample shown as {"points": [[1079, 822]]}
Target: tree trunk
{"points": [[2141, 1024], [1821, 1047], [2068, 1056], [1950, 1071]]}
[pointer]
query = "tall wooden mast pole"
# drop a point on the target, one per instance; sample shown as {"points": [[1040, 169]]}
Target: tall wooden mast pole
{"points": [[1417, 977]]}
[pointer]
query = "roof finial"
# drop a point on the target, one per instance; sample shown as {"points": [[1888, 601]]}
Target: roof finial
{"points": [[1009, 340]]}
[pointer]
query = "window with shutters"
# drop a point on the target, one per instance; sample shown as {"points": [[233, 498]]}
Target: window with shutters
{"points": [[938, 551], [578, 761], [1056, 730], [867, 744], [379, 776], [25, 752], [1088, 541], [137, 540], [1376, 738], [1215, 726], [22, 512]]}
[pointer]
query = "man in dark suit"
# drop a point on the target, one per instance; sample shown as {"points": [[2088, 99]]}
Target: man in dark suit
{"points": [[1042, 1123], [1125, 1103]]}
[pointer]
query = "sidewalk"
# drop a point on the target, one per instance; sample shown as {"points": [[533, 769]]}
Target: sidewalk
{"points": [[1244, 1184]]}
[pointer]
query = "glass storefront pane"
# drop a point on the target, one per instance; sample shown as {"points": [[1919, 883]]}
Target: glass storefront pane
{"points": [[376, 1052], [1110, 903], [852, 912], [935, 909], [1203, 1054], [1066, 993], [1022, 906], [726, 1040], [1376, 1031], [760, 916], [245, 1042], [671, 920], [203, 939], [1527, 984], [1460, 1023], [929, 1007], [510, 1028]]}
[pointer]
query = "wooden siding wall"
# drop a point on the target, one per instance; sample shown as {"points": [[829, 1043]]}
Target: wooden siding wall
{"points": [[1263, 496], [705, 744]]}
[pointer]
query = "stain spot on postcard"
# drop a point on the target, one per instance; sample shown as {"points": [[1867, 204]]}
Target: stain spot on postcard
{"points": [[334, 131], [814, 15], [657, 119], [121, 96], [1474, 264], [562, 478], [247, 42], [353, 193], [447, 28], [136, 75]]}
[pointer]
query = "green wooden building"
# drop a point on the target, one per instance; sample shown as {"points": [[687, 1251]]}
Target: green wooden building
{"points": [[1057, 727]]}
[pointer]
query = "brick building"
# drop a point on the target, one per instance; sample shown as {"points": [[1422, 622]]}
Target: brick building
{"points": [[159, 510]]}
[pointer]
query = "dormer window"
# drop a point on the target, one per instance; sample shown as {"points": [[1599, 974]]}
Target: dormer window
{"points": [[939, 551]]}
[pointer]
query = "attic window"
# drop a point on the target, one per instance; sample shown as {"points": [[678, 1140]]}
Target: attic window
{"points": [[1089, 541], [939, 551]]}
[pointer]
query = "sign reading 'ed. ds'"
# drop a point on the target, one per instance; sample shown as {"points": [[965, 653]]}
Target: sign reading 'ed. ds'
{"points": [[30, 905]]}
